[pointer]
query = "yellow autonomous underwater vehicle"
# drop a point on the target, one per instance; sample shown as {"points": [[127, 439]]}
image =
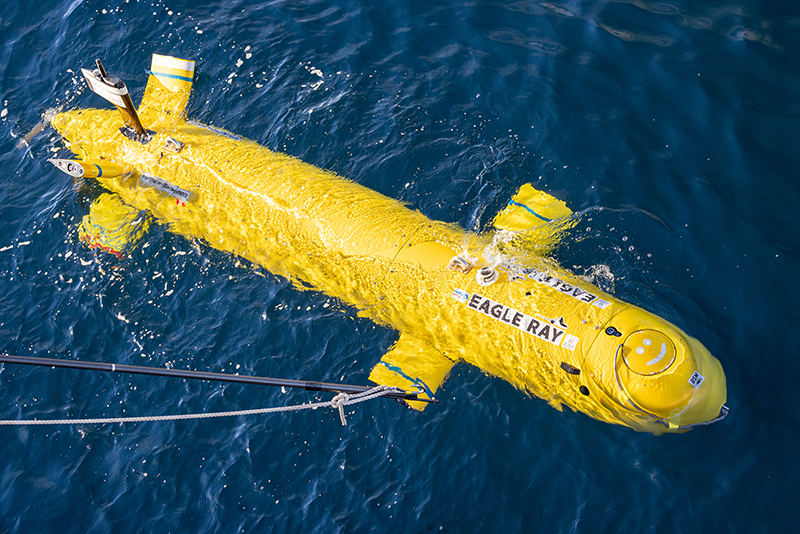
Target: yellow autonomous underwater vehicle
{"points": [[451, 294]]}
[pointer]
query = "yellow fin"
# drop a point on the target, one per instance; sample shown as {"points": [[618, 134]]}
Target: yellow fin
{"points": [[112, 225], [412, 364], [530, 208], [168, 87]]}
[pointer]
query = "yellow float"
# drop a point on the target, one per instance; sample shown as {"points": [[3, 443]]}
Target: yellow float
{"points": [[493, 300]]}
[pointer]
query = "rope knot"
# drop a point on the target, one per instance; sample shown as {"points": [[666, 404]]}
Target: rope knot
{"points": [[339, 402]]}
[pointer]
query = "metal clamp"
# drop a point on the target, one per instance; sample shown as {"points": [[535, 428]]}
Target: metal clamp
{"points": [[173, 145]]}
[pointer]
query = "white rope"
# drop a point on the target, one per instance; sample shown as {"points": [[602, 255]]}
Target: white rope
{"points": [[338, 402]]}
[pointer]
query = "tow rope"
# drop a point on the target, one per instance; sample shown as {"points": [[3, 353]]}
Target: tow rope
{"points": [[338, 402], [347, 394]]}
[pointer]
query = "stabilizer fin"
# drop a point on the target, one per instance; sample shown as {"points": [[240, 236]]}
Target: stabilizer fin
{"points": [[113, 226], [530, 208], [533, 221], [412, 364], [168, 87]]}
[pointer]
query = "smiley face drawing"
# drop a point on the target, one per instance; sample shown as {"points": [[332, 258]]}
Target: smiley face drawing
{"points": [[648, 352]]}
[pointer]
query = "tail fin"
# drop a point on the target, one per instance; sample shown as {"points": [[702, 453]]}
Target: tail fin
{"points": [[535, 219], [411, 364], [530, 208], [113, 226], [169, 86]]}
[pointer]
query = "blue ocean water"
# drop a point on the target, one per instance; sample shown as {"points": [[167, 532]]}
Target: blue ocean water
{"points": [[671, 126]]}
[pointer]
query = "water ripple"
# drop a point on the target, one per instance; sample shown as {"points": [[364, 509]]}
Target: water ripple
{"points": [[669, 128]]}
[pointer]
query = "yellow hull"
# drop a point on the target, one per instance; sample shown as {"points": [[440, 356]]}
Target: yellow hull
{"points": [[536, 326]]}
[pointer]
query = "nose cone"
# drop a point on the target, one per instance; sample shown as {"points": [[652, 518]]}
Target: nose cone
{"points": [[662, 373], [673, 376]]}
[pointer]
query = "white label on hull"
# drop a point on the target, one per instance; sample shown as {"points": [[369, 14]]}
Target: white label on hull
{"points": [[570, 341], [571, 290], [460, 295], [696, 379], [165, 187], [530, 325]]}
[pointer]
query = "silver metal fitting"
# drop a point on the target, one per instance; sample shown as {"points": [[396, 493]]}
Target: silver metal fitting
{"points": [[173, 145], [459, 264], [486, 276]]}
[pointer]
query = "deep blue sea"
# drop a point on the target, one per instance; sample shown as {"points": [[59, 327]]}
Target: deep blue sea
{"points": [[672, 127]]}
